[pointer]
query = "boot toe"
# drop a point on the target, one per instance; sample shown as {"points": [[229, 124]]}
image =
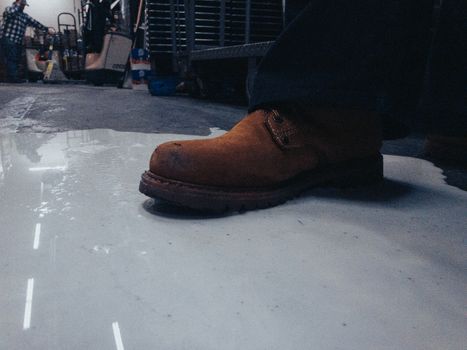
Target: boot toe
{"points": [[170, 160]]}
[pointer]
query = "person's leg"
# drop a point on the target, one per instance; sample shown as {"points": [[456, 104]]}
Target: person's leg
{"points": [[11, 56], [445, 98], [2, 52], [2, 60], [366, 54], [292, 9], [444, 104], [313, 116]]}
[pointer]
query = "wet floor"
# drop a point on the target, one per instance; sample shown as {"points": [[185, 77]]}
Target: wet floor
{"points": [[87, 262]]}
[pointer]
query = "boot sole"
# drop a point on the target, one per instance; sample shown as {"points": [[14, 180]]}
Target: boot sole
{"points": [[220, 199]]}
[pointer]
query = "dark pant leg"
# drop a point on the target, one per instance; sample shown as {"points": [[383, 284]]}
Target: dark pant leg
{"points": [[2, 56], [444, 104], [12, 56], [3, 60], [366, 54], [292, 9]]}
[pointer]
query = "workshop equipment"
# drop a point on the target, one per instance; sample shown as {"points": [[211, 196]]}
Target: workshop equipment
{"points": [[36, 55], [125, 79], [106, 60], [109, 65], [140, 69], [246, 30], [161, 85], [214, 45], [56, 58], [72, 62], [53, 72], [43, 57]]}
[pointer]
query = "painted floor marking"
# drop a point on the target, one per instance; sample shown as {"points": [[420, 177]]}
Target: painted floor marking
{"points": [[28, 306], [37, 236], [117, 336]]}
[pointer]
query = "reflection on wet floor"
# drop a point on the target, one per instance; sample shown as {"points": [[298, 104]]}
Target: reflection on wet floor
{"points": [[88, 262]]}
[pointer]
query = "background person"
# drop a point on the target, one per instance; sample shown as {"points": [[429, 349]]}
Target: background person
{"points": [[15, 22]]}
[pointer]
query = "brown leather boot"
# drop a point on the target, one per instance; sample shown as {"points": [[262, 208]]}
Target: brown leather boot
{"points": [[267, 158]]}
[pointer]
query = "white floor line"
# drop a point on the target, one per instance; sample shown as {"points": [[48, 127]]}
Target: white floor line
{"points": [[28, 306], [44, 168], [117, 336], [37, 236], [42, 191]]}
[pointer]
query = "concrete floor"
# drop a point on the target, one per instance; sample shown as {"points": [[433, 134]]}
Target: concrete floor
{"points": [[55, 108], [87, 262]]}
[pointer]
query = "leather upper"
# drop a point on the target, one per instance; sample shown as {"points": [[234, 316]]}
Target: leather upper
{"points": [[268, 147]]}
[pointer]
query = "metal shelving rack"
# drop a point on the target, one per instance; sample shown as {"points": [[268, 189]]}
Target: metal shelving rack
{"points": [[184, 26], [166, 25], [225, 23], [190, 34]]}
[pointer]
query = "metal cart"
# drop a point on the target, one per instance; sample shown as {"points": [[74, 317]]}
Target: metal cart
{"points": [[70, 44]]}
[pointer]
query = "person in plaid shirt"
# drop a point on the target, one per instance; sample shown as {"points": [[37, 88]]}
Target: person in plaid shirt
{"points": [[15, 22]]}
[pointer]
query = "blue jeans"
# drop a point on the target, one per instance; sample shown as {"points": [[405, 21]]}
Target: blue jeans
{"points": [[11, 56], [375, 55]]}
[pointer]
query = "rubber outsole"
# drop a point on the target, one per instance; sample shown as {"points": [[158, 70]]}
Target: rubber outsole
{"points": [[220, 199]]}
